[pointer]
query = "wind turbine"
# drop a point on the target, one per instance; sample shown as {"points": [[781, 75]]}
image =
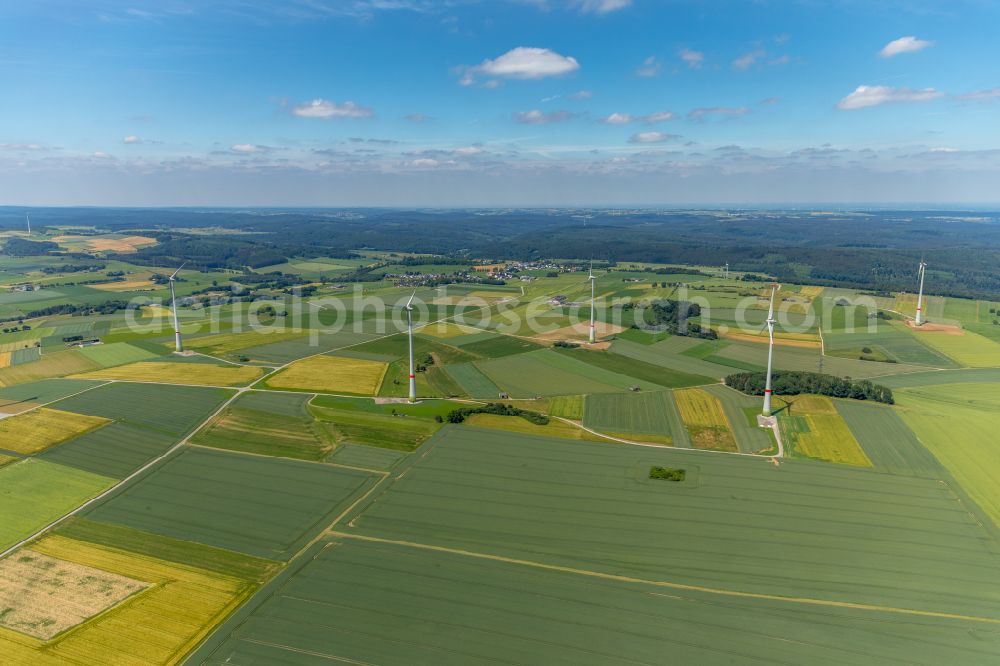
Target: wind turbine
{"points": [[178, 345], [593, 280], [770, 350], [920, 294], [27, 216], [409, 328]]}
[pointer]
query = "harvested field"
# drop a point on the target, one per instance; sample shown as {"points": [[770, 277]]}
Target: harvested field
{"points": [[331, 374], [581, 331], [515, 424], [261, 506], [42, 596], [705, 419], [192, 374], [827, 532], [158, 626], [447, 329], [126, 285], [42, 428]]}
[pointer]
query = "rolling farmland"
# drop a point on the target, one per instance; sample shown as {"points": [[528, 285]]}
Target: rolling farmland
{"points": [[652, 413], [705, 420], [849, 537], [265, 507], [370, 602], [813, 428]]}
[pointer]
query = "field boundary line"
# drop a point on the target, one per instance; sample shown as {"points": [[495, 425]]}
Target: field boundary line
{"points": [[650, 445], [52, 402], [809, 601], [116, 487]]}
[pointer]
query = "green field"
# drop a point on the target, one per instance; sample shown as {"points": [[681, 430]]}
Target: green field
{"points": [[888, 443], [173, 410], [978, 375], [894, 338], [634, 368], [547, 372], [850, 535], [667, 354], [115, 450], [398, 431], [265, 507], [567, 406], [116, 353], [33, 493], [275, 424], [472, 380], [366, 603], [288, 350], [41, 392], [959, 423], [500, 345], [969, 349], [811, 427], [55, 364], [366, 457], [653, 413], [741, 411]]}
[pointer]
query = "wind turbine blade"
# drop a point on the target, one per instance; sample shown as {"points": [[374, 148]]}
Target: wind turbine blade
{"points": [[174, 274], [407, 306]]}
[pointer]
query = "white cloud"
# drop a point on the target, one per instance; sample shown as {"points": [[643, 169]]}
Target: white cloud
{"points": [[748, 60], [424, 162], [625, 118], [652, 137], [658, 117], [618, 119], [602, 6], [704, 112], [101, 155], [327, 110], [23, 147], [650, 67], [468, 151], [908, 44], [250, 148], [131, 138], [581, 94], [693, 59], [536, 117], [523, 62], [417, 118], [982, 95], [865, 96]]}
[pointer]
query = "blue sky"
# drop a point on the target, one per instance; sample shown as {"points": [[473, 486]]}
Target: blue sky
{"points": [[532, 102]]}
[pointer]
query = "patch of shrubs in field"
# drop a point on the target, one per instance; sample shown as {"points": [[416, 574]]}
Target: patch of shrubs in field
{"points": [[667, 473], [498, 408], [794, 383]]}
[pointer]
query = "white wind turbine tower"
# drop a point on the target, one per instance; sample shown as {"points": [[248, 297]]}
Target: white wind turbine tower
{"points": [[920, 294], [593, 280], [727, 270], [770, 350], [409, 328], [27, 216], [178, 346]]}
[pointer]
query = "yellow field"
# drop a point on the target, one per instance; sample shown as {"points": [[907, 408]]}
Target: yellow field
{"points": [[222, 343], [127, 244], [5, 359], [705, 419], [17, 344], [156, 626], [581, 330], [127, 285], [828, 437], [801, 340], [970, 349], [195, 374], [39, 429], [811, 292], [447, 329], [554, 428], [332, 374]]}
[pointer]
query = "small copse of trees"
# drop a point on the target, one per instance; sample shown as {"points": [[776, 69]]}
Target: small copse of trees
{"points": [[794, 383], [499, 408], [667, 473]]}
